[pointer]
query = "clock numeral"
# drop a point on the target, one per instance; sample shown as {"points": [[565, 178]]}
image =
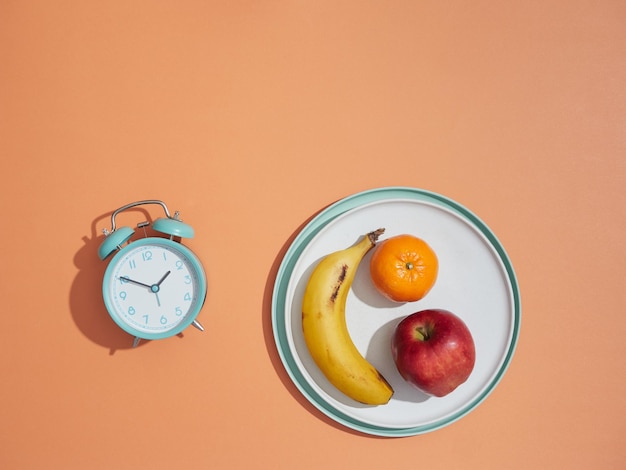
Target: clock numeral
{"points": [[163, 319], [124, 279], [187, 297], [179, 311], [146, 255], [179, 264], [132, 264], [131, 310], [164, 256], [146, 317], [123, 295], [187, 279]]}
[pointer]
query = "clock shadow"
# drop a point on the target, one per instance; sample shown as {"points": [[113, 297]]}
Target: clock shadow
{"points": [[86, 302]]}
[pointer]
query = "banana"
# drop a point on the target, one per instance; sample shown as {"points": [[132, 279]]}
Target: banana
{"points": [[326, 332]]}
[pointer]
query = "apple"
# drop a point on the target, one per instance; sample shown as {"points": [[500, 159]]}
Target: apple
{"points": [[434, 351]]}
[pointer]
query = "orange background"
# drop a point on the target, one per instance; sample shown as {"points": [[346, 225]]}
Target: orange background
{"points": [[251, 116]]}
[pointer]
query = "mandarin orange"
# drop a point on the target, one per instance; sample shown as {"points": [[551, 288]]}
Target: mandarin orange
{"points": [[404, 268]]}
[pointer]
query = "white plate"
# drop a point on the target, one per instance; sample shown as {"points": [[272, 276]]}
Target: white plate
{"points": [[475, 281]]}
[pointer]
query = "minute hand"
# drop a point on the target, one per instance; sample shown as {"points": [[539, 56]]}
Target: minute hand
{"points": [[127, 279]]}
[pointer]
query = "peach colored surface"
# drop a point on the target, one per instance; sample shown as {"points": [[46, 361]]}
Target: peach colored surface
{"points": [[251, 116]]}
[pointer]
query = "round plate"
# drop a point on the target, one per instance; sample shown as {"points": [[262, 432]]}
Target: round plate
{"points": [[476, 281]]}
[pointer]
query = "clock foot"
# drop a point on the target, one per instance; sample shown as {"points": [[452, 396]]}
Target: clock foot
{"points": [[197, 324], [136, 341]]}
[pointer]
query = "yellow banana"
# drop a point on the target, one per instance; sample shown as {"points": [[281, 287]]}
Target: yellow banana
{"points": [[325, 330]]}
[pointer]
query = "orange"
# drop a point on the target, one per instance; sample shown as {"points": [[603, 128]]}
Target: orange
{"points": [[404, 268]]}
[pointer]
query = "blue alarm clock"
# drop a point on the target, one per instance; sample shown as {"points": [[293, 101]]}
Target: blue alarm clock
{"points": [[153, 287]]}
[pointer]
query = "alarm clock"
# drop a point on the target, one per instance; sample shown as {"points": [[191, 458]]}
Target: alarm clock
{"points": [[153, 287]]}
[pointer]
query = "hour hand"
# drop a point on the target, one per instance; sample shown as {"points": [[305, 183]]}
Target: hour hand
{"points": [[163, 278]]}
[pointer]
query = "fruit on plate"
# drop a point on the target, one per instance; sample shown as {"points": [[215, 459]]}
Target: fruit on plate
{"points": [[434, 351], [404, 268], [325, 330]]}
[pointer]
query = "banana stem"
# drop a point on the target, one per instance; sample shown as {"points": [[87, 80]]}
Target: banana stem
{"points": [[373, 236]]}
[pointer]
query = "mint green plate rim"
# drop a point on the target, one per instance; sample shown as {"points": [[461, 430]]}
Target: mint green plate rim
{"points": [[300, 243]]}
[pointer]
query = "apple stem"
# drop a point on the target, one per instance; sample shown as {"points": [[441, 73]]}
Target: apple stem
{"points": [[421, 334]]}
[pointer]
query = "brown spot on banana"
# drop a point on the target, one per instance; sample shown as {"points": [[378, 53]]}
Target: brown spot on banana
{"points": [[339, 283]]}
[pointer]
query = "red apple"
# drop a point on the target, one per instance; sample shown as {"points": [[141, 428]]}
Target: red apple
{"points": [[434, 351]]}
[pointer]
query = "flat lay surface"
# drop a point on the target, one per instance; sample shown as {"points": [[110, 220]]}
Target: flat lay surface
{"points": [[261, 122]]}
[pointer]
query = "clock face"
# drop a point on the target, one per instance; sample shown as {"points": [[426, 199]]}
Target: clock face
{"points": [[154, 288]]}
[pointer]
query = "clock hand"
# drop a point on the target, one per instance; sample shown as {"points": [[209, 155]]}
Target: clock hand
{"points": [[155, 287], [132, 281], [163, 278]]}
